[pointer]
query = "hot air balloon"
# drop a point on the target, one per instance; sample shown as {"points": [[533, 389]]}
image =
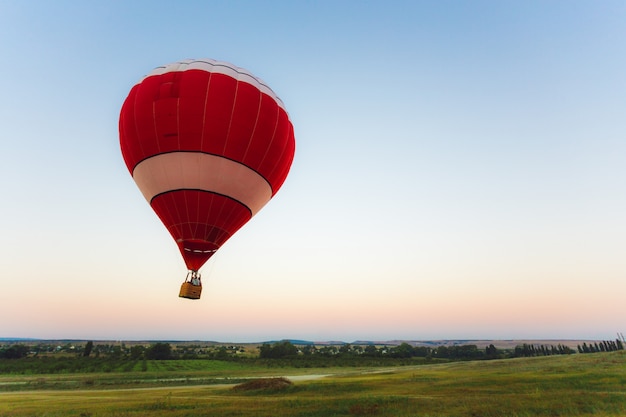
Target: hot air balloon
{"points": [[208, 144]]}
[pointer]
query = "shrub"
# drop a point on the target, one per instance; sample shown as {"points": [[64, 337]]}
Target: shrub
{"points": [[265, 384]]}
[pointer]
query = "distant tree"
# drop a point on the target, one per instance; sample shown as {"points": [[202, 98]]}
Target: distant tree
{"points": [[442, 352], [137, 351], [222, 353], [88, 348], [525, 350], [308, 350], [468, 352], [159, 351], [115, 352], [491, 351], [345, 349], [371, 351], [286, 349], [278, 350], [422, 351], [403, 350], [14, 352], [328, 350]]}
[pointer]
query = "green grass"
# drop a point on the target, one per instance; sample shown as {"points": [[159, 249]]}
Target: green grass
{"points": [[572, 385]]}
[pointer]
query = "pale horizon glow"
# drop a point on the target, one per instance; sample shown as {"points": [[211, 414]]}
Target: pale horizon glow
{"points": [[459, 172]]}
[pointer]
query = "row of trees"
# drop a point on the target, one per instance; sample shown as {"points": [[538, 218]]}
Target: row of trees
{"points": [[122, 350], [286, 349], [157, 351], [543, 350], [527, 350], [604, 346], [14, 351]]}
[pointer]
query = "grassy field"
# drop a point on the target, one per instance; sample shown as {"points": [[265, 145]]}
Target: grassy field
{"points": [[564, 385]]}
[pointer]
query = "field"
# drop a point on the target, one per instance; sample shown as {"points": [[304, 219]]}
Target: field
{"points": [[564, 385]]}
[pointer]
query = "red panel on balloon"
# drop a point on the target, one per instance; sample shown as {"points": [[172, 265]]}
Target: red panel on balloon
{"points": [[198, 216]]}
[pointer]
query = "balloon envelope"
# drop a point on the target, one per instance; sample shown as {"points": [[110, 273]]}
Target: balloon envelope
{"points": [[208, 145]]}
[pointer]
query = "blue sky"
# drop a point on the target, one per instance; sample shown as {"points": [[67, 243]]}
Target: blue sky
{"points": [[459, 172]]}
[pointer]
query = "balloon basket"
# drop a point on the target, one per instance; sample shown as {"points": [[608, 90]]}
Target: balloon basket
{"points": [[188, 290], [192, 286]]}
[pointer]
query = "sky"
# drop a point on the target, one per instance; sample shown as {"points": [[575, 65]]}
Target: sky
{"points": [[459, 172]]}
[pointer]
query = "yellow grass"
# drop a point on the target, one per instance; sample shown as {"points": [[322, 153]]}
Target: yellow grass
{"points": [[574, 385]]}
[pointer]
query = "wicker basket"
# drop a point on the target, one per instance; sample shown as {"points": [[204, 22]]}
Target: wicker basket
{"points": [[188, 290]]}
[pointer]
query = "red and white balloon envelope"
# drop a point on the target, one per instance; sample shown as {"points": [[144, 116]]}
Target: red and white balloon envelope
{"points": [[208, 144]]}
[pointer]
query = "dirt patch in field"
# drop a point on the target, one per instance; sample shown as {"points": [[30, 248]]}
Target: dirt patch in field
{"points": [[266, 384]]}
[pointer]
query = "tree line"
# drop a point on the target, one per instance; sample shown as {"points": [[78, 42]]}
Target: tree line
{"points": [[603, 346], [286, 349], [154, 351], [527, 350]]}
